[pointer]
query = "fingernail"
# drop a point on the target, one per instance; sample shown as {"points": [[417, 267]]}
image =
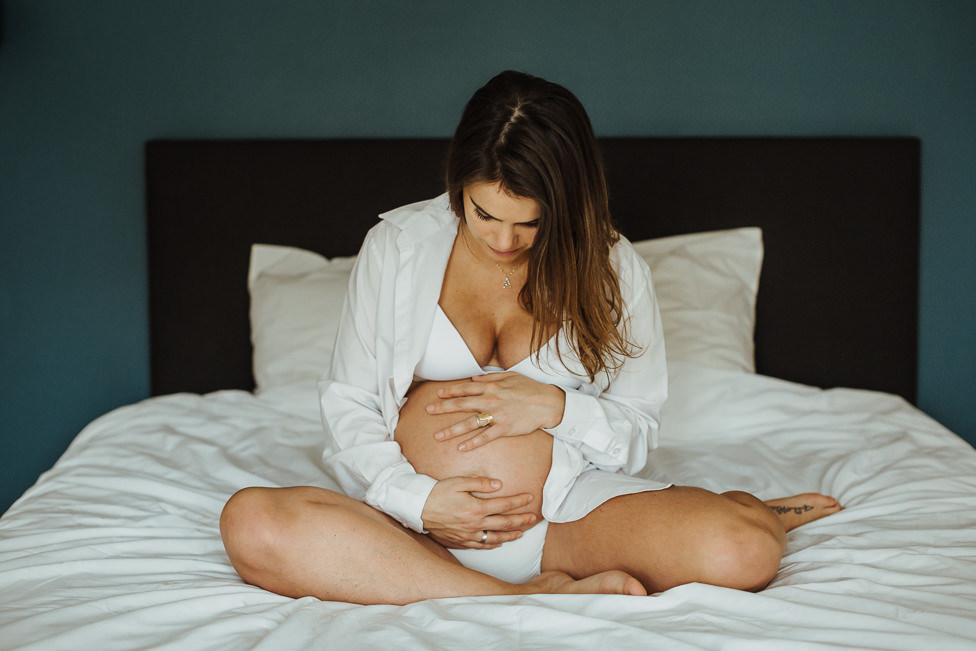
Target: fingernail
{"points": [[430, 409], [463, 447], [495, 483], [439, 436]]}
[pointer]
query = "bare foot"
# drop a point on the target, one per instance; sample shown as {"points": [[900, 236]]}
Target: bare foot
{"points": [[803, 508], [612, 582]]}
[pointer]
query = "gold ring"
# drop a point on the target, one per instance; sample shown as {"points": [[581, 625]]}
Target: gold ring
{"points": [[484, 420]]}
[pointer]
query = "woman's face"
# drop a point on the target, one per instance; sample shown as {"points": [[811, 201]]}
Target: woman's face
{"points": [[502, 226]]}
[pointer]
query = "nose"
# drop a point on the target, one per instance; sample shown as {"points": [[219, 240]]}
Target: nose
{"points": [[506, 238]]}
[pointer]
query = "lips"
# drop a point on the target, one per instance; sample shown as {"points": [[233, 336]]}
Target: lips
{"points": [[503, 254]]}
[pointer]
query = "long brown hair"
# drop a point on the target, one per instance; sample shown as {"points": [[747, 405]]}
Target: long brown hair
{"points": [[535, 139]]}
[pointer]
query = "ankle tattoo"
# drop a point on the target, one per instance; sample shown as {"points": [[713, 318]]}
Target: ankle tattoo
{"points": [[799, 510]]}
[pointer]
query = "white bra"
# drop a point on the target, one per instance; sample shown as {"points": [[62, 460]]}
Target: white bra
{"points": [[448, 357]]}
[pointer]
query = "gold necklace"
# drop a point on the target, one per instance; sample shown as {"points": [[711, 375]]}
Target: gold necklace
{"points": [[508, 274], [508, 283]]}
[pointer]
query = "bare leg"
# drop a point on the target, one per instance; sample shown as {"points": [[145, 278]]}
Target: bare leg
{"points": [[671, 537], [309, 541]]}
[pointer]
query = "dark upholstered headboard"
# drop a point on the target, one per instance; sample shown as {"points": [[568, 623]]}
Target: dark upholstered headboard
{"points": [[840, 217]]}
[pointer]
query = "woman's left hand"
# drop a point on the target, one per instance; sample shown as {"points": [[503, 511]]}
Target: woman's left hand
{"points": [[518, 405]]}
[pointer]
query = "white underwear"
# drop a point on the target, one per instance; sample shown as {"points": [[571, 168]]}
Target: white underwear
{"points": [[517, 561]]}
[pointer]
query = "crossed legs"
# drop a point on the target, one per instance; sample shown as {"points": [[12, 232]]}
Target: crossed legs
{"points": [[310, 541]]}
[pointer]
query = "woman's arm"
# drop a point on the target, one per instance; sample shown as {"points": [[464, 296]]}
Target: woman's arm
{"points": [[618, 427], [362, 456]]}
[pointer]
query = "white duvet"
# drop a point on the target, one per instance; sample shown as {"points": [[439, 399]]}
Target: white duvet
{"points": [[117, 546]]}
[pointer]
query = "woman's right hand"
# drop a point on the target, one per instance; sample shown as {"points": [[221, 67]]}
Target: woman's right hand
{"points": [[458, 519]]}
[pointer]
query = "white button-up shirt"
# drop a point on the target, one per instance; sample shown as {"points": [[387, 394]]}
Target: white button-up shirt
{"points": [[607, 428]]}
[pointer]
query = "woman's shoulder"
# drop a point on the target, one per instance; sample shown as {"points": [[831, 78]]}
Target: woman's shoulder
{"points": [[436, 211], [628, 264], [407, 226]]}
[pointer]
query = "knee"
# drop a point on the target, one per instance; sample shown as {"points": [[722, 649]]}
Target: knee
{"points": [[745, 553], [248, 524]]}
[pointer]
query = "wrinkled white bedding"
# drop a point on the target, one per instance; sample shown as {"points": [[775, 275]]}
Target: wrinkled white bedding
{"points": [[117, 546]]}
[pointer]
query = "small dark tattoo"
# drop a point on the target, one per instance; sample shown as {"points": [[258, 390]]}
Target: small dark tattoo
{"points": [[792, 509]]}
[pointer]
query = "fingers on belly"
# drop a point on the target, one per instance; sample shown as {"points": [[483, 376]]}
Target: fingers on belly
{"points": [[521, 462]]}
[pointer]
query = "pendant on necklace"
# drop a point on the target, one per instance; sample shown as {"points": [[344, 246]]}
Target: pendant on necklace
{"points": [[508, 283]]}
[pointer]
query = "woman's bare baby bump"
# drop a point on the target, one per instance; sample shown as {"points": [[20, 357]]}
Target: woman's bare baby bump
{"points": [[521, 462]]}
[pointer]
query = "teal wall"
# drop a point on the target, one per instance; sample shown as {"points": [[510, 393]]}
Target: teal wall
{"points": [[84, 84]]}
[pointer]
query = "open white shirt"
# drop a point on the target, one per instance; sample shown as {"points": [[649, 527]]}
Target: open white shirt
{"points": [[609, 425]]}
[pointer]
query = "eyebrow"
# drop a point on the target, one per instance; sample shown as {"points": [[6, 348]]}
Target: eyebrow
{"points": [[487, 214]]}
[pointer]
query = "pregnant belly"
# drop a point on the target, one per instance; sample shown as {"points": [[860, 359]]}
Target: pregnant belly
{"points": [[521, 462]]}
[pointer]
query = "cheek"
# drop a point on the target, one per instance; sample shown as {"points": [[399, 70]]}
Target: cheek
{"points": [[473, 227], [479, 230]]}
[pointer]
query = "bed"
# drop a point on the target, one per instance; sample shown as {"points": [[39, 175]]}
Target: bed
{"points": [[787, 273]]}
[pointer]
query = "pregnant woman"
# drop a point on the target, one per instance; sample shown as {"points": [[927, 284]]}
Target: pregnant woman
{"points": [[497, 382]]}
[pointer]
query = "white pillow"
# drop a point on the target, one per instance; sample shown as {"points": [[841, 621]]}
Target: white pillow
{"points": [[706, 286], [296, 300]]}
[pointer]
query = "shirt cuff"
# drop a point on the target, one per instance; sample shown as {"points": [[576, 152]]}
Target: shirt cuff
{"points": [[584, 424], [402, 495], [575, 412]]}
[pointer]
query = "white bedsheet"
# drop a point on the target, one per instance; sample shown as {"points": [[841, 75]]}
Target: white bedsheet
{"points": [[117, 546]]}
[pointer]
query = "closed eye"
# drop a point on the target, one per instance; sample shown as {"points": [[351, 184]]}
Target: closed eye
{"points": [[482, 215]]}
